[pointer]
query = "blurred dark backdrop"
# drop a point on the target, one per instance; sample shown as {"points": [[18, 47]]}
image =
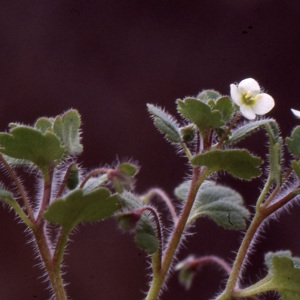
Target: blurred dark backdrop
{"points": [[108, 59]]}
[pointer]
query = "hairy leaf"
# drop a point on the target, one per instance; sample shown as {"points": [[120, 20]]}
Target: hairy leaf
{"points": [[285, 274], [182, 190], [79, 207], [165, 123], [275, 152], [243, 131], [187, 271], [199, 113], [207, 95], [5, 195], [128, 168], [43, 124], [67, 129], [225, 106], [94, 183], [293, 142], [238, 162], [283, 277], [222, 204], [145, 233], [296, 167], [27, 143]]}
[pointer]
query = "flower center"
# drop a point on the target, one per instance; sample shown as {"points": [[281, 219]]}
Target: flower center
{"points": [[248, 99]]}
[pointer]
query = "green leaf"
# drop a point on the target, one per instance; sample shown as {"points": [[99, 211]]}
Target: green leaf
{"points": [[222, 204], [283, 253], [79, 207], [199, 113], [165, 123], [238, 162], [243, 131], [187, 271], [145, 237], [128, 168], [145, 233], [275, 162], [285, 275], [43, 124], [275, 152], [293, 142], [94, 183], [296, 167], [67, 129], [181, 192], [207, 95], [27, 143], [6, 196], [225, 106]]}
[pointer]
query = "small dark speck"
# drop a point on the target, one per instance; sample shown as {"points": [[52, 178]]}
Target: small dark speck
{"points": [[249, 28]]}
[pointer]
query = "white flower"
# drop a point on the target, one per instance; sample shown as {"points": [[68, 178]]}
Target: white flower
{"points": [[249, 97], [296, 113]]}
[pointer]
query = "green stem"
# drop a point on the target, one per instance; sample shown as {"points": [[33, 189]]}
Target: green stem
{"points": [[186, 151], [51, 262], [160, 276], [93, 173], [157, 191], [20, 187], [63, 184], [264, 192], [15, 205], [46, 195], [264, 285], [236, 269], [233, 121], [53, 269]]}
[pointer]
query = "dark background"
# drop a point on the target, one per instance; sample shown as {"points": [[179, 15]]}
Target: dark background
{"points": [[108, 59]]}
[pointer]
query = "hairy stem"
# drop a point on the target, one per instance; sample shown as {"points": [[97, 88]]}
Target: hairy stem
{"points": [[165, 198], [238, 263], [234, 120], [53, 269], [186, 151], [194, 263], [46, 196], [93, 173], [159, 277], [19, 185], [63, 184], [156, 257], [59, 249]]}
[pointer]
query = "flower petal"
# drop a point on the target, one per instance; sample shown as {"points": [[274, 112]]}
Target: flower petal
{"points": [[235, 95], [263, 104], [249, 84], [247, 112], [296, 112]]}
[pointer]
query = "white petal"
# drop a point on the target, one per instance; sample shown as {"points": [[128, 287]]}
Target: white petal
{"points": [[247, 112], [235, 95], [249, 84], [263, 104], [296, 113]]}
